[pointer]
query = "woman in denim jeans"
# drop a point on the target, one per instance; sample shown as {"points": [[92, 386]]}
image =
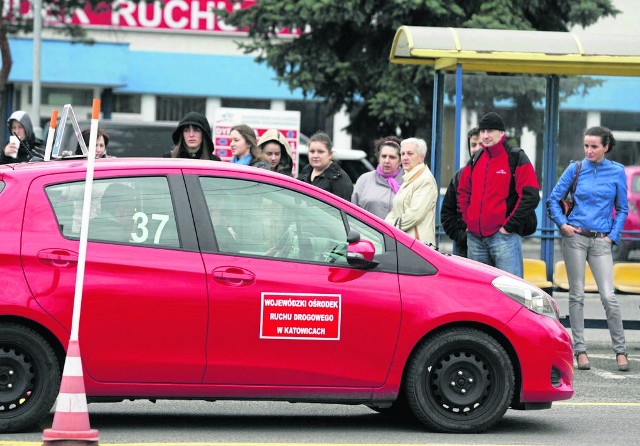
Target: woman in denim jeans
{"points": [[588, 233]]}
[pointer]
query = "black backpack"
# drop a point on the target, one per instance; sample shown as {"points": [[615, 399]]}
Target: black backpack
{"points": [[531, 219]]}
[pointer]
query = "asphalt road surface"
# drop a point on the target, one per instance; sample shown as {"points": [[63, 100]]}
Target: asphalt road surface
{"points": [[604, 411]]}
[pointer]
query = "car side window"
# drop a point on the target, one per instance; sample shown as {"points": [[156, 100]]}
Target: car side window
{"points": [[258, 219], [130, 210], [367, 233]]}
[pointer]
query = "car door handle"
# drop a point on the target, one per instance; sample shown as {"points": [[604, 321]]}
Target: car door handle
{"points": [[234, 276], [58, 257]]}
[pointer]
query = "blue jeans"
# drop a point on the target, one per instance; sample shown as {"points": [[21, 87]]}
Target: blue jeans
{"points": [[578, 250], [503, 251]]}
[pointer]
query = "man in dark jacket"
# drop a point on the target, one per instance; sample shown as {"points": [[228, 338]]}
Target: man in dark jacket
{"points": [[450, 215], [494, 205], [27, 147]]}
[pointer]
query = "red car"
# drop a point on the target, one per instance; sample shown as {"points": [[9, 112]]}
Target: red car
{"points": [[207, 280], [631, 230]]}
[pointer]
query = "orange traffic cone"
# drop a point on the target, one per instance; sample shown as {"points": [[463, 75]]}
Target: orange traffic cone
{"points": [[71, 418]]}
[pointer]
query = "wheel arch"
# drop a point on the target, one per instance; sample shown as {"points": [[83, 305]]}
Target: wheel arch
{"points": [[491, 331], [43, 331]]}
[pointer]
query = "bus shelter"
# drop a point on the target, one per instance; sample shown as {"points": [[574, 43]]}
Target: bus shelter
{"points": [[543, 53]]}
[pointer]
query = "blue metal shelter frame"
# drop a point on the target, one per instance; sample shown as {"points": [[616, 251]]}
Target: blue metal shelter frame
{"points": [[550, 54]]}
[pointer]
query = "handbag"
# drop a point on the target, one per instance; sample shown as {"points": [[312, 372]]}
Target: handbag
{"points": [[567, 204]]}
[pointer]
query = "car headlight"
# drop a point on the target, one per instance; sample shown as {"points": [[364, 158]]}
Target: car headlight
{"points": [[528, 295]]}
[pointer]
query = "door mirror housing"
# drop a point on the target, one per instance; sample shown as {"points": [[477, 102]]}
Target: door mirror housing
{"points": [[360, 253]]}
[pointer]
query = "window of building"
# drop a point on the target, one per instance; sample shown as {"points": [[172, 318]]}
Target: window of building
{"points": [[127, 103], [173, 108], [313, 116], [628, 122], [262, 104], [58, 96]]}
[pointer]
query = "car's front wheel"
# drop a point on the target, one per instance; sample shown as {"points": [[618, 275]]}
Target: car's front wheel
{"points": [[29, 377], [460, 380]]}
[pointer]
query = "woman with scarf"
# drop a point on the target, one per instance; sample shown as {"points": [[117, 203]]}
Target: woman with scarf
{"points": [[414, 206], [374, 191]]}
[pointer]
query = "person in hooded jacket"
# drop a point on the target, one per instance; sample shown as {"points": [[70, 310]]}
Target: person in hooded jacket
{"points": [[276, 149], [30, 147], [322, 171], [192, 139]]}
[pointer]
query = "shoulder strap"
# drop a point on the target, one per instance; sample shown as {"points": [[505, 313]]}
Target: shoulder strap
{"points": [[474, 157], [514, 159], [574, 183]]}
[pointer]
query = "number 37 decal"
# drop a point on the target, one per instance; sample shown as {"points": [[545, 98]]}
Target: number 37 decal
{"points": [[142, 232]]}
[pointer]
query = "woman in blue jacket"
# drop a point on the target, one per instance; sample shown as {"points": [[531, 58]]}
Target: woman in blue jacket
{"points": [[588, 233]]}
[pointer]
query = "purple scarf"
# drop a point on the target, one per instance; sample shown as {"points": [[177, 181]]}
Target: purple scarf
{"points": [[390, 178]]}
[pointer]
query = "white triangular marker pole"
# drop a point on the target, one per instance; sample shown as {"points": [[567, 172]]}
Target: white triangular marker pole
{"points": [[84, 228]]}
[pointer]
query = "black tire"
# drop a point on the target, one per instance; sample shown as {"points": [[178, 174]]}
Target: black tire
{"points": [[459, 381], [29, 378]]}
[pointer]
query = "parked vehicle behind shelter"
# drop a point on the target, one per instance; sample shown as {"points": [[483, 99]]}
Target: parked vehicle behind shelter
{"points": [[631, 231]]}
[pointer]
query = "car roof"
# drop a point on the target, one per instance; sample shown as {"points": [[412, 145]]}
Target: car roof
{"points": [[75, 164]]}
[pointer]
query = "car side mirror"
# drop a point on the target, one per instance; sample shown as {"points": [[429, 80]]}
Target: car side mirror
{"points": [[360, 253]]}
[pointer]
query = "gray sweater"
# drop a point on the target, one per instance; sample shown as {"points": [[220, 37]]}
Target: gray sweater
{"points": [[372, 193]]}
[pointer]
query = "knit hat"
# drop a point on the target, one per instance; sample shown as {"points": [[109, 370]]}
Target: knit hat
{"points": [[197, 120], [491, 121]]}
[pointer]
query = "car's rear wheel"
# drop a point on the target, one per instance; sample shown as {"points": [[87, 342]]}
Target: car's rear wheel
{"points": [[29, 377], [460, 380]]}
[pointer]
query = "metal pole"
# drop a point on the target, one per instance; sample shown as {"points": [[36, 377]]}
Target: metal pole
{"points": [[550, 144], [37, 44], [458, 117], [437, 120]]}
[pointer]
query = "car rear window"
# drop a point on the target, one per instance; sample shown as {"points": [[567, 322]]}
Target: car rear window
{"points": [[136, 210]]}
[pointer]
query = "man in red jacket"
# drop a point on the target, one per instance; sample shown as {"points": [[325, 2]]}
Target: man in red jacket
{"points": [[494, 205]]}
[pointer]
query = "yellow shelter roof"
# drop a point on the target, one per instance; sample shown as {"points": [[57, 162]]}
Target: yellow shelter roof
{"points": [[508, 51]]}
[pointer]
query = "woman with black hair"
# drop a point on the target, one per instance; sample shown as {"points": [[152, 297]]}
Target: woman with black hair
{"points": [[192, 139], [588, 233]]}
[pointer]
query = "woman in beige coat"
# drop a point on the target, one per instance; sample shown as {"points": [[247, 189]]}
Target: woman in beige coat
{"points": [[414, 206]]}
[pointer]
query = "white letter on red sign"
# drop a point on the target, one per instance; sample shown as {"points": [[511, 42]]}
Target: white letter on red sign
{"points": [[197, 15], [156, 15], [183, 21], [125, 10]]}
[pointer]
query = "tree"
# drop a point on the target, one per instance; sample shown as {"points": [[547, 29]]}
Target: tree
{"points": [[341, 54]]}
